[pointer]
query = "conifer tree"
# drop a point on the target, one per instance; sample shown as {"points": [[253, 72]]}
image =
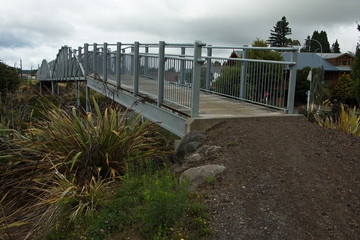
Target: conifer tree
{"points": [[278, 34], [335, 48], [322, 38]]}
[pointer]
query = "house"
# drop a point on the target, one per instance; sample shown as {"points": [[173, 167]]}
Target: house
{"points": [[334, 64]]}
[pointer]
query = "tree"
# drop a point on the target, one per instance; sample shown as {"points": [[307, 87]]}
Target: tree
{"points": [[9, 80], [343, 91], [307, 47], [264, 54], [322, 39], [318, 88], [278, 34], [335, 47], [355, 71]]}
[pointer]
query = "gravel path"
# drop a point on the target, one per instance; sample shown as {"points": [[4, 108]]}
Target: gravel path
{"points": [[286, 178]]}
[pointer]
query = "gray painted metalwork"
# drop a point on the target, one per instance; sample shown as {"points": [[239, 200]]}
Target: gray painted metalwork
{"points": [[162, 75]]}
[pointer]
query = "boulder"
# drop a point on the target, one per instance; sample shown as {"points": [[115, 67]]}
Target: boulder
{"points": [[196, 175]]}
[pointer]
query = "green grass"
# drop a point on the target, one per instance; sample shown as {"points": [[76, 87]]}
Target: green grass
{"points": [[151, 205]]}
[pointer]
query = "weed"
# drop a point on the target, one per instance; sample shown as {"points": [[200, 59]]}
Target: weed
{"points": [[232, 144], [209, 179]]}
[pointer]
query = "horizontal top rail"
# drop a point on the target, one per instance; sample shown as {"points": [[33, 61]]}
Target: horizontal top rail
{"points": [[251, 60], [253, 48]]}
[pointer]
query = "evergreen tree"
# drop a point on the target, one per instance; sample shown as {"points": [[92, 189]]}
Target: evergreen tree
{"points": [[278, 34], [343, 91], [335, 47], [322, 39], [307, 47], [325, 42]]}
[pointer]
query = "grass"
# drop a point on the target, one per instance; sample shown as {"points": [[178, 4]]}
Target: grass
{"points": [[152, 205]]}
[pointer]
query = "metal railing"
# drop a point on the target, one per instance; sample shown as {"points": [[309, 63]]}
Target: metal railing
{"points": [[175, 73], [264, 82]]}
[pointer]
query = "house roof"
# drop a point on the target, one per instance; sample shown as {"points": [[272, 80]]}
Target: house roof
{"points": [[315, 60]]}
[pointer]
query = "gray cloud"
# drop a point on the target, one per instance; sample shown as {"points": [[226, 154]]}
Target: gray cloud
{"points": [[10, 40], [46, 25]]}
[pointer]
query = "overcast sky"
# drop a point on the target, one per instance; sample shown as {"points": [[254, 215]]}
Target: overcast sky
{"points": [[35, 30]]}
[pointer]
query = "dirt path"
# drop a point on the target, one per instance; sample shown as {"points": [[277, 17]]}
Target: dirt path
{"points": [[286, 178]]}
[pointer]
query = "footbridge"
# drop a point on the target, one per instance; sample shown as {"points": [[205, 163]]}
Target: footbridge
{"points": [[182, 87]]}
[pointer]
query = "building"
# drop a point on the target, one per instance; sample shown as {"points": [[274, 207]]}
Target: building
{"points": [[335, 64]]}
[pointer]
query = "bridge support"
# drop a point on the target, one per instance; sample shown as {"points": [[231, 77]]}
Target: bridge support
{"points": [[54, 87]]}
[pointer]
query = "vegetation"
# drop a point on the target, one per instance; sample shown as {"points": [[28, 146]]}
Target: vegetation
{"points": [[343, 91], [347, 121], [313, 46], [355, 72], [69, 175], [9, 80], [229, 80], [335, 48], [278, 34]]}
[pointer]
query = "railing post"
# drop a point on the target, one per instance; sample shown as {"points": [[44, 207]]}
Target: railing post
{"points": [[53, 87], [161, 73], [292, 83], [182, 67], [86, 59], [118, 65], [136, 60], [41, 89], [146, 63], [208, 69], [132, 60], [94, 60], [105, 55], [195, 90], [244, 68], [79, 52]]}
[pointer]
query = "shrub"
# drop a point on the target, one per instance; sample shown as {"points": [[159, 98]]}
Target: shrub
{"points": [[343, 91], [9, 80]]}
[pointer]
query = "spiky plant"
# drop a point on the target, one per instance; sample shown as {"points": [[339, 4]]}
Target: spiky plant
{"points": [[64, 165], [347, 121], [83, 144]]}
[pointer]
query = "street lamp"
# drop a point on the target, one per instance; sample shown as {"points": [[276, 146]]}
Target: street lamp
{"points": [[309, 78]]}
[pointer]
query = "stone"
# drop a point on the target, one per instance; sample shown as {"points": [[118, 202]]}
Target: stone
{"points": [[189, 144], [196, 175]]}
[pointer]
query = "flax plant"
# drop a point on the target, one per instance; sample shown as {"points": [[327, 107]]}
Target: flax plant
{"points": [[347, 121], [84, 144], [64, 165]]}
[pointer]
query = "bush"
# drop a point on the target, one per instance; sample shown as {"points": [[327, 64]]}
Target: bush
{"points": [[9, 80], [343, 91]]}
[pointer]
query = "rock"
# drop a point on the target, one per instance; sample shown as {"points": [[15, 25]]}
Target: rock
{"points": [[207, 150], [193, 158], [189, 144], [196, 175]]}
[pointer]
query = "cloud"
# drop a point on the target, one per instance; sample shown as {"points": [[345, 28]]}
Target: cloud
{"points": [[10, 40], [50, 24]]}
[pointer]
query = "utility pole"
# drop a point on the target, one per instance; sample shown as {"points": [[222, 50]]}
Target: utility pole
{"points": [[21, 75]]}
